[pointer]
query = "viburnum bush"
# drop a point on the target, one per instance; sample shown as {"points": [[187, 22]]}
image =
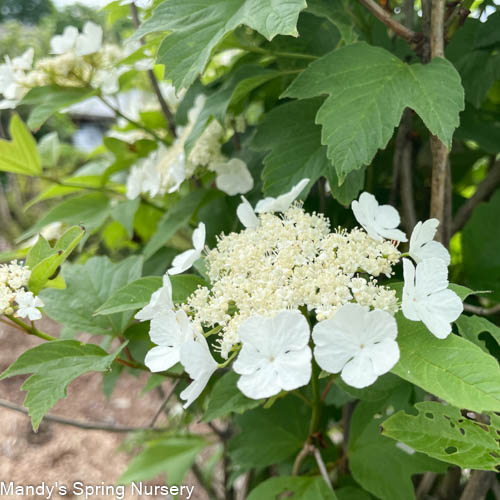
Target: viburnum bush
{"points": [[237, 235]]}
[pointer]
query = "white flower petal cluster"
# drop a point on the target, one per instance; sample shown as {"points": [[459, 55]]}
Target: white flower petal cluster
{"points": [[359, 343], [422, 244], [379, 221], [275, 355], [87, 42], [160, 302], [426, 296], [14, 279], [185, 260], [12, 78], [287, 261], [282, 202]]}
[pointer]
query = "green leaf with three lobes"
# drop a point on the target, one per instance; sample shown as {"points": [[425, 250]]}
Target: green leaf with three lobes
{"points": [[443, 433], [294, 487], [89, 285], [294, 142], [369, 88], [226, 398], [50, 99], [197, 26], [137, 294], [45, 260], [453, 369], [20, 155], [171, 455], [54, 365]]}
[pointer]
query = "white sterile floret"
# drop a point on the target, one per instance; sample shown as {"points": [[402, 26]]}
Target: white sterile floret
{"points": [[275, 355], [426, 296], [422, 244], [161, 301], [185, 260], [60, 44], [379, 221], [199, 364], [169, 331], [246, 214], [89, 40], [359, 343], [282, 202], [233, 177], [27, 305]]}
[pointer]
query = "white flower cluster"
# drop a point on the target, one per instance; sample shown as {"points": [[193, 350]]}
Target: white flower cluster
{"points": [[164, 170], [14, 278], [267, 280]]}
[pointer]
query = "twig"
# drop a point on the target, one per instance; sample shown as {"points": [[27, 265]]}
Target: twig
{"points": [[306, 450], [165, 402], [483, 192], [438, 148], [425, 485], [382, 15], [479, 483], [482, 311], [202, 481], [30, 330], [154, 82], [322, 466], [93, 426]]}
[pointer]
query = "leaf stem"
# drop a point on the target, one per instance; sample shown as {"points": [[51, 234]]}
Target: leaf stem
{"points": [[31, 330]]}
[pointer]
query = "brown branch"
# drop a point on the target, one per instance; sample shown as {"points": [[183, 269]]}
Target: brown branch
{"points": [[165, 402], [303, 453], [483, 192], [425, 485], [91, 426], [154, 82], [200, 477], [479, 484], [382, 15], [482, 311]]}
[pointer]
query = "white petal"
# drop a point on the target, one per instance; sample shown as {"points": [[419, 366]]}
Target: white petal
{"points": [[432, 250], [409, 298], [359, 371], [184, 261], [233, 177], [282, 202], [379, 326], [387, 216], [263, 383], [199, 235], [250, 360], [161, 301], [247, 215], [61, 44], [161, 358], [90, 40], [287, 331], [165, 329], [384, 355], [431, 277], [294, 368], [193, 390], [422, 233], [392, 234]]}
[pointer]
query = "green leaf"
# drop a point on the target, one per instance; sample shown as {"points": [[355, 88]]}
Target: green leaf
{"points": [[294, 141], [124, 213], [41, 272], [443, 433], [50, 99], [453, 369], [369, 88], [49, 148], [352, 493], [173, 220], [89, 285], [54, 365], [89, 210], [172, 455], [226, 398], [294, 487], [240, 84], [471, 327], [197, 26], [20, 155], [270, 436], [372, 455], [480, 244]]}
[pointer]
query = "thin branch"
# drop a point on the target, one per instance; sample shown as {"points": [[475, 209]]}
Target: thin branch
{"points": [[483, 192], [425, 485], [482, 311], [154, 82], [203, 482], [91, 426], [322, 466], [479, 483], [382, 15], [301, 456], [164, 404]]}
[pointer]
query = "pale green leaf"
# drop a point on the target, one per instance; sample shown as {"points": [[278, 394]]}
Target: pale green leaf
{"points": [[20, 155], [124, 213], [453, 369], [54, 365], [444, 433], [172, 455], [293, 487], [197, 26], [49, 148], [368, 89]]}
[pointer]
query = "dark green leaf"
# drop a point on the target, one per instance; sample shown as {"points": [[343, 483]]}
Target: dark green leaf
{"points": [[294, 487]]}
